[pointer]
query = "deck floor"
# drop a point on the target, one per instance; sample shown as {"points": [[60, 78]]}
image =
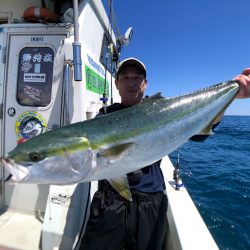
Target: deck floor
{"points": [[14, 227]]}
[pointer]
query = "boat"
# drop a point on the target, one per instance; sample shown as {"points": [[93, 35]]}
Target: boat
{"points": [[57, 66]]}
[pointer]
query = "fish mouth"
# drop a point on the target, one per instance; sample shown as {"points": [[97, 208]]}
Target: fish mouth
{"points": [[17, 171]]}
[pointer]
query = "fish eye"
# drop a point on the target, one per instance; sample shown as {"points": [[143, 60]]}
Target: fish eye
{"points": [[34, 156]]}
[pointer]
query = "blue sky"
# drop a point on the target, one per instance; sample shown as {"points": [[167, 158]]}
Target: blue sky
{"points": [[188, 44]]}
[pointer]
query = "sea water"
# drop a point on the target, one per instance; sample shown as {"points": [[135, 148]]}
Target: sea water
{"points": [[216, 173]]}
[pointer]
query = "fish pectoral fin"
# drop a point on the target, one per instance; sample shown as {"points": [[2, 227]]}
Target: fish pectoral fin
{"points": [[122, 187], [207, 131], [115, 152]]}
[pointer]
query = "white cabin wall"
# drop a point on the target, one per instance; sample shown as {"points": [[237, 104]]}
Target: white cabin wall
{"points": [[91, 31], [103, 18], [91, 38], [92, 26]]}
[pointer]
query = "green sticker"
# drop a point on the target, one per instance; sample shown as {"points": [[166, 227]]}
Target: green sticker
{"points": [[94, 82]]}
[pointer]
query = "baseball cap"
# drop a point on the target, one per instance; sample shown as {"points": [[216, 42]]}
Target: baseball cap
{"points": [[130, 61]]}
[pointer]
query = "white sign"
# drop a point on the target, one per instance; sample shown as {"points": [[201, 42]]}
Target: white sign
{"points": [[32, 77]]}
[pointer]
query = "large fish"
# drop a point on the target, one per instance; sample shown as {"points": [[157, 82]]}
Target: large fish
{"points": [[110, 146]]}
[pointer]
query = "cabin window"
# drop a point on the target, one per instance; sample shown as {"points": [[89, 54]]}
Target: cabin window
{"points": [[106, 58], [3, 20], [35, 75], [5, 17]]}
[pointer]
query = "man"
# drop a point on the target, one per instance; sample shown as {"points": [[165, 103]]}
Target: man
{"points": [[114, 222]]}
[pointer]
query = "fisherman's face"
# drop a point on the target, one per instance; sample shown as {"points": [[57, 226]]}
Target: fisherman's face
{"points": [[131, 84]]}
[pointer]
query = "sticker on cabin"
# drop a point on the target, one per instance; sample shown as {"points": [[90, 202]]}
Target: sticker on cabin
{"points": [[95, 65], [95, 82], [11, 111], [29, 124], [61, 199], [30, 77], [32, 92]]}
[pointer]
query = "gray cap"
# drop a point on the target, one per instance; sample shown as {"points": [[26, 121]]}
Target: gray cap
{"points": [[130, 61]]}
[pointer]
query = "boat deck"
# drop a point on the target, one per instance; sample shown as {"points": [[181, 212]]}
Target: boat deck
{"points": [[19, 230]]}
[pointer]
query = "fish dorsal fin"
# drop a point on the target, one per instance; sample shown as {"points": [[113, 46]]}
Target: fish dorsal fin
{"points": [[122, 187], [153, 97], [115, 152]]}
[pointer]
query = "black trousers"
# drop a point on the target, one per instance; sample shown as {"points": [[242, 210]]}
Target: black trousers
{"points": [[117, 224]]}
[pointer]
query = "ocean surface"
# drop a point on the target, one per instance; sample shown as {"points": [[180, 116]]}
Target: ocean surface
{"points": [[216, 173]]}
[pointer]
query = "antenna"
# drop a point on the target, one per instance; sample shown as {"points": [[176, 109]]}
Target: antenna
{"points": [[125, 40], [128, 36]]}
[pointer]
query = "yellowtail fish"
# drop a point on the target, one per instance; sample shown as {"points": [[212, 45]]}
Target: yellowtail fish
{"points": [[110, 146]]}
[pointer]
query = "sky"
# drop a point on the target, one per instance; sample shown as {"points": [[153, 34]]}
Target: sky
{"points": [[188, 44]]}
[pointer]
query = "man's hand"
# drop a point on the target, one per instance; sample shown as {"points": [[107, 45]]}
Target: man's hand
{"points": [[244, 81]]}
